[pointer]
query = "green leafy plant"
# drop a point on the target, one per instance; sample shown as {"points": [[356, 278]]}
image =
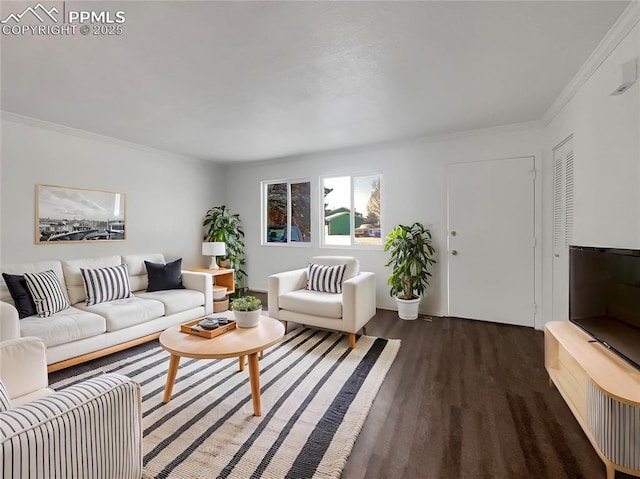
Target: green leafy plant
{"points": [[225, 227], [411, 257], [246, 303]]}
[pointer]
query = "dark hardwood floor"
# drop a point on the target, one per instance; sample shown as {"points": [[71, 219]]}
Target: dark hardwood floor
{"points": [[463, 399], [468, 399]]}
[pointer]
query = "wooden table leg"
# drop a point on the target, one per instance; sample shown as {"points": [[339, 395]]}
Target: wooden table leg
{"points": [[611, 471], [241, 362], [254, 378], [174, 362]]}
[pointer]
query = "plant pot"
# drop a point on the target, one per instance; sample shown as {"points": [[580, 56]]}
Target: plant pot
{"points": [[247, 319], [408, 308]]}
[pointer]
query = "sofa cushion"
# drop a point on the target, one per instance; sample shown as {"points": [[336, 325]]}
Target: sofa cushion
{"points": [[123, 313], [315, 303], [34, 396], [23, 367], [106, 284], [63, 327], [327, 279], [138, 278], [22, 298], [175, 300], [353, 265], [46, 292], [163, 277], [73, 276]]}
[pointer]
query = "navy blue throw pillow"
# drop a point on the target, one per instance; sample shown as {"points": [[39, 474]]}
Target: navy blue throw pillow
{"points": [[17, 286], [164, 276]]}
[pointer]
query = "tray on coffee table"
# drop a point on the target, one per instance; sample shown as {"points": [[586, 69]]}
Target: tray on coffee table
{"points": [[192, 327]]}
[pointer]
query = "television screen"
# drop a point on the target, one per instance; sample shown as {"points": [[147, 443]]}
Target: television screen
{"points": [[604, 297]]}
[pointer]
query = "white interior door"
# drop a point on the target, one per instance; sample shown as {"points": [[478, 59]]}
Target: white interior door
{"points": [[491, 250]]}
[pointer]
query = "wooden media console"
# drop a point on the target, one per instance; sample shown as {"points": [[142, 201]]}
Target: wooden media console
{"points": [[603, 392]]}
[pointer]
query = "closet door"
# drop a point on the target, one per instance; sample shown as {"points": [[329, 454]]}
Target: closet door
{"points": [[563, 190]]}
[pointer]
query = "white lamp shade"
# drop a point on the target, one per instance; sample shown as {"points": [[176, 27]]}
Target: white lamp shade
{"points": [[213, 248]]}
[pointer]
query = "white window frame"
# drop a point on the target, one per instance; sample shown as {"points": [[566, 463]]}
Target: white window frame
{"points": [[264, 215], [352, 244]]}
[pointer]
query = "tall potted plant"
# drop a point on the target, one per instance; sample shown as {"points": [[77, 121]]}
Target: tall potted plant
{"points": [[223, 226], [411, 257]]}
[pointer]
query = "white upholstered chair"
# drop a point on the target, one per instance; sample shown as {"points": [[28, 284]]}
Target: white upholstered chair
{"points": [[349, 311], [92, 429]]}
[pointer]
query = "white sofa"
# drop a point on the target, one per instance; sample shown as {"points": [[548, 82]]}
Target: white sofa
{"points": [[349, 311], [92, 429], [83, 332]]}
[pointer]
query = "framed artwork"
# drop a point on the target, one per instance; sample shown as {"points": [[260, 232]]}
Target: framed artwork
{"points": [[66, 214]]}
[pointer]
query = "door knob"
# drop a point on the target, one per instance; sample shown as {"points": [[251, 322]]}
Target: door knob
{"points": [[453, 233], [454, 252]]}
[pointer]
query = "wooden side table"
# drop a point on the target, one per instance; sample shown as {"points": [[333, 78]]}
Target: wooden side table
{"points": [[222, 278]]}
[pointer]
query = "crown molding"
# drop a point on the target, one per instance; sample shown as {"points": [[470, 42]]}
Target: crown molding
{"points": [[87, 135], [84, 134], [611, 40], [399, 142], [492, 130]]}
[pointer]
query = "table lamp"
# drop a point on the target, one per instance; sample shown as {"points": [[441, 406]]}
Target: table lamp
{"points": [[213, 249]]}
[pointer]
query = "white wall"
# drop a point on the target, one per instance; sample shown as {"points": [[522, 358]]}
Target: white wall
{"points": [[166, 196], [413, 189], [606, 142], [606, 133]]}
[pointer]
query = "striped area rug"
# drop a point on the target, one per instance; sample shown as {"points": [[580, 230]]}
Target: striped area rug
{"points": [[316, 394]]}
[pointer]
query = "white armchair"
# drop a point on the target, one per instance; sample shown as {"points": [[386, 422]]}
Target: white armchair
{"points": [[9, 325], [92, 429], [349, 311]]}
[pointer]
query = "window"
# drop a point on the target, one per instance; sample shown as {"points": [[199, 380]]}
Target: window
{"points": [[287, 212], [351, 210]]}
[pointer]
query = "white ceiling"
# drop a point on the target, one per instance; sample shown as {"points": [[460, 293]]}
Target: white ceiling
{"points": [[232, 81]]}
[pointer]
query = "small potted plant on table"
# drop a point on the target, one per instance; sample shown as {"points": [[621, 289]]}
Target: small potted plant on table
{"points": [[246, 311], [411, 256]]}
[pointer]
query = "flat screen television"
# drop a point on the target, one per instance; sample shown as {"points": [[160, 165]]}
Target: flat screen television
{"points": [[604, 297]]}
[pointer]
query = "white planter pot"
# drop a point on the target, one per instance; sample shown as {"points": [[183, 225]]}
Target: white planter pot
{"points": [[408, 308], [247, 319]]}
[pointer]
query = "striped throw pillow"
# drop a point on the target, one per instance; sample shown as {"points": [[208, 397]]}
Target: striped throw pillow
{"points": [[106, 284], [5, 402], [326, 279], [46, 292]]}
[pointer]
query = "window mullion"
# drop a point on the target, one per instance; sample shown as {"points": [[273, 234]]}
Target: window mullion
{"points": [[289, 210], [352, 232]]}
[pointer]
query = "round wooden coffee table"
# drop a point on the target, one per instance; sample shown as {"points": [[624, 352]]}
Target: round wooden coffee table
{"points": [[239, 342]]}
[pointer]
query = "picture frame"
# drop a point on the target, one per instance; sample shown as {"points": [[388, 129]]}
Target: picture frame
{"points": [[67, 214]]}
